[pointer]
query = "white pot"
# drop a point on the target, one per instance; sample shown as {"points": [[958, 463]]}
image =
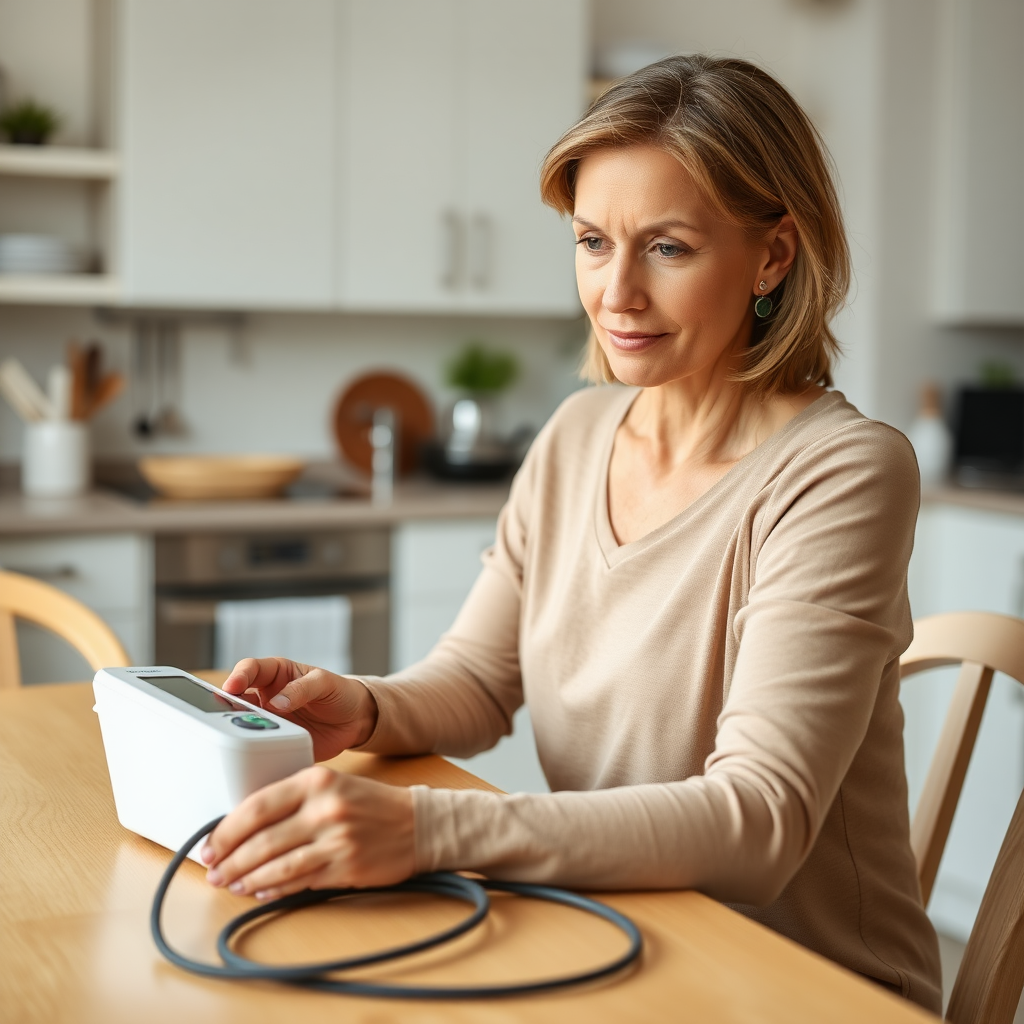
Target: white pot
{"points": [[55, 461]]}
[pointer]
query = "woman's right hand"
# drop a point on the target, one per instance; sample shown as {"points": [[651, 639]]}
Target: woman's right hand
{"points": [[338, 711]]}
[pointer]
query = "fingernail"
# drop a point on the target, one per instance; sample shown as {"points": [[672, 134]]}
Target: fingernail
{"points": [[214, 877], [237, 888], [263, 894], [207, 853], [281, 702]]}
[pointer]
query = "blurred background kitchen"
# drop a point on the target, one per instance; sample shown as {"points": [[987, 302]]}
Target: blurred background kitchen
{"points": [[312, 232]]}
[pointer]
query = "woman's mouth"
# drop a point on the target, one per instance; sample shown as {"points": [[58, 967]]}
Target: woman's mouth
{"points": [[633, 341]]}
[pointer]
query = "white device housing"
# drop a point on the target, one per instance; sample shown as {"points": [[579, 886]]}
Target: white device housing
{"points": [[173, 766]]}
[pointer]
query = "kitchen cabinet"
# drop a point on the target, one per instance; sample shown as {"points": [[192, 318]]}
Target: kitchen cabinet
{"points": [[349, 154], [227, 115], [967, 560], [111, 573], [434, 565], [979, 204], [452, 105]]}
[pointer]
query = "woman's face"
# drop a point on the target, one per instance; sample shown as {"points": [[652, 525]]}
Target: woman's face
{"points": [[667, 283]]}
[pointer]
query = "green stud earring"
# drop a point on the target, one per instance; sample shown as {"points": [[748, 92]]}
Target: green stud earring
{"points": [[763, 306]]}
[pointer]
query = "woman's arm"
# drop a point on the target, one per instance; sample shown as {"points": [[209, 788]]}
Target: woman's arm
{"points": [[461, 698]]}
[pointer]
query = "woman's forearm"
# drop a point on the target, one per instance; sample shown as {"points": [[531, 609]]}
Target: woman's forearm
{"points": [[721, 836], [461, 698]]}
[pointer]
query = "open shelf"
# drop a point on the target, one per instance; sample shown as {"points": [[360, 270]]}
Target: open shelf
{"points": [[59, 162], [63, 289]]}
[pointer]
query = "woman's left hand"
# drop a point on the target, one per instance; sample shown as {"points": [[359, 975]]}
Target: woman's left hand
{"points": [[317, 829]]}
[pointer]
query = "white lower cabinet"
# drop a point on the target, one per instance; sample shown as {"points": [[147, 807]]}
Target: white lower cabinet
{"points": [[967, 560], [110, 573], [434, 566]]}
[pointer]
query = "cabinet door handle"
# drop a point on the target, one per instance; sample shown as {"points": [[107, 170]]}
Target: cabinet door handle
{"points": [[481, 236], [451, 252], [47, 574]]}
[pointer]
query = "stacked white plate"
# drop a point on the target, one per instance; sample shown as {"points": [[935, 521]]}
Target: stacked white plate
{"points": [[40, 254]]}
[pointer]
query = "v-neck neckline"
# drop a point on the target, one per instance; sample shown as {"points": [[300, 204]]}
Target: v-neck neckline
{"points": [[611, 549]]}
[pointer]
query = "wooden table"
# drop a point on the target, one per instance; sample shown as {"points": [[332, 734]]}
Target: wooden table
{"points": [[75, 892]]}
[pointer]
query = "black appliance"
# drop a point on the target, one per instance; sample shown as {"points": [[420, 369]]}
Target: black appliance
{"points": [[989, 449]]}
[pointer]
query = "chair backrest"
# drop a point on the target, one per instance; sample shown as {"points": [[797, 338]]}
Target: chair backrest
{"points": [[22, 597], [988, 985]]}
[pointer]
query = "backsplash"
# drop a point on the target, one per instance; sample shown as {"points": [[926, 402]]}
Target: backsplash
{"points": [[271, 386]]}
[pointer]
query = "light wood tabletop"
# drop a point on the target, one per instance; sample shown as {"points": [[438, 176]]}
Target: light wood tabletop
{"points": [[76, 889]]}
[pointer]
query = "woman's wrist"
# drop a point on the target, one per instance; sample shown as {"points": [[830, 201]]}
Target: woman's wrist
{"points": [[368, 714]]}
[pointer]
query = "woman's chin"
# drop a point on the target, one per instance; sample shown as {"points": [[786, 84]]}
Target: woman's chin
{"points": [[638, 372]]}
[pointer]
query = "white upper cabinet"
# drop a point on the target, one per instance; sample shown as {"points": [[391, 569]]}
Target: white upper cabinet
{"points": [[452, 105], [979, 213], [227, 119], [397, 161], [376, 155], [525, 85]]}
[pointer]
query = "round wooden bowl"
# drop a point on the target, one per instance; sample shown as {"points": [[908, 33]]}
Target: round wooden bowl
{"points": [[219, 477]]}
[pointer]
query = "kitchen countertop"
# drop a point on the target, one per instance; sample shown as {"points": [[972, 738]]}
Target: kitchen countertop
{"points": [[104, 511], [986, 499]]}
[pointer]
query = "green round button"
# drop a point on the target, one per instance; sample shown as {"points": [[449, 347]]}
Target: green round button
{"points": [[253, 721]]}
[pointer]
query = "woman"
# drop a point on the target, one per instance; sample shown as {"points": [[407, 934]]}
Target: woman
{"points": [[698, 582]]}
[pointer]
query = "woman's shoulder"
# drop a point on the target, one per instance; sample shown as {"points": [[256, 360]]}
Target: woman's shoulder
{"points": [[583, 420], [833, 440], [835, 427]]}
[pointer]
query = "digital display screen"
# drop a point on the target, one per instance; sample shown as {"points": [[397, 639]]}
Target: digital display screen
{"points": [[192, 693]]}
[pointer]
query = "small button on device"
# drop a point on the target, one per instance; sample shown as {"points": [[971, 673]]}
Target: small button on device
{"points": [[252, 721]]}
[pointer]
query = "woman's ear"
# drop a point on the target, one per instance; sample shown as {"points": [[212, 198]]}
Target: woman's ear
{"points": [[780, 250]]}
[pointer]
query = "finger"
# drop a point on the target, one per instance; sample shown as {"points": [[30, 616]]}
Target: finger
{"points": [[261, 849], [310, 881], [259, 673], [301, 863], [261, 809], [314, 685]]}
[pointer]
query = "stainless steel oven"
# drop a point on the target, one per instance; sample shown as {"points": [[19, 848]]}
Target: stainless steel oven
{"points": [[195, 571]]}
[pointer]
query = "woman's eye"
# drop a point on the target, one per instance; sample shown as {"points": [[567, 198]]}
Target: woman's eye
{"points": [[668, 250], [591, 243]]}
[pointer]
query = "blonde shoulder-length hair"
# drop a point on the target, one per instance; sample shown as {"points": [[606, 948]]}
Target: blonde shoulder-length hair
{"points": [[755, 156]]}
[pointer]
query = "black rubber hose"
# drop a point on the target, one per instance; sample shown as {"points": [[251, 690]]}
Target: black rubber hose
{"points": [[439, 884]]}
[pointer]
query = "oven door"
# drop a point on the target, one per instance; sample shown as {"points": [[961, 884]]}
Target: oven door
{"points": [[185, 625]]}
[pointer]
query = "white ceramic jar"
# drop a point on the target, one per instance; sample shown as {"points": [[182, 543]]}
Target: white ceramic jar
{"points": [[55, 462]]}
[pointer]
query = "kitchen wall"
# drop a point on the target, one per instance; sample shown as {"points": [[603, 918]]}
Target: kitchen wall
{"points": [[270, 386]]}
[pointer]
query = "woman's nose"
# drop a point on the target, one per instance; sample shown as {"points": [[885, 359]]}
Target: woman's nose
{"points": [[624, 288]]}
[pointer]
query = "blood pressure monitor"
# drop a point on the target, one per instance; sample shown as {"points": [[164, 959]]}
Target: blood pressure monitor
{"points": [[181, 752]]}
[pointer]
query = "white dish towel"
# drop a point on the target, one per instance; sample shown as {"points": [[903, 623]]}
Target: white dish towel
{"points": [[312, 630]]}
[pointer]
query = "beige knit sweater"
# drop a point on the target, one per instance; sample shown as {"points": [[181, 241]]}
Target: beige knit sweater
{"points": [[715, 704]]}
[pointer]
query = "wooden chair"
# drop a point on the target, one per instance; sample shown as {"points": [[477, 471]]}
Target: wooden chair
{"points": [[991, 977], [22, 597]]}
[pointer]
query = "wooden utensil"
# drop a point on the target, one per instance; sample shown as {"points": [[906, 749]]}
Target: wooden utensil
{"points": [[353, 418], [109, 387], [24, 394], [79, 380]]}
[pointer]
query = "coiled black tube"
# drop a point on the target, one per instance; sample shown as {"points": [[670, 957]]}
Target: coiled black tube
{"points": [[438, 884]]}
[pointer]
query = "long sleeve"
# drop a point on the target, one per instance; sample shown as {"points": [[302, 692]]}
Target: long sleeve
{"points": [[825, 614]]}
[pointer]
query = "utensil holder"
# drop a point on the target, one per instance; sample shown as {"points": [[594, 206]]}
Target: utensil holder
{"points": [[55, 461]]}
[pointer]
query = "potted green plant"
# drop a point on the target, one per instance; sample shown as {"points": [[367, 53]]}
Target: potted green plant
{"points": [[470, 447], [29, 123], [481, 372]]}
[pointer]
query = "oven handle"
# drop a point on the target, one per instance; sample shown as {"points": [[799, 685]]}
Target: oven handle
{"points": [[176, 611]]}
